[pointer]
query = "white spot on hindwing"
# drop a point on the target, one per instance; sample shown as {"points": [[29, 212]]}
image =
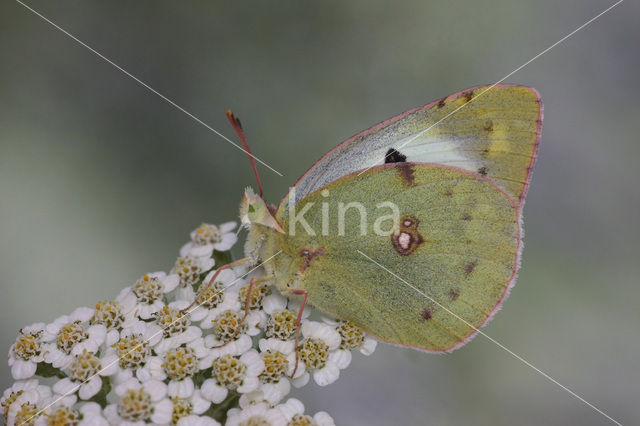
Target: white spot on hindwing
{"points": [[404, 239]]}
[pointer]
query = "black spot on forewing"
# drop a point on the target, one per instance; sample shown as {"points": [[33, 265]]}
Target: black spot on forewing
{"points": [[483, 171], [394, 156], [427, 313], [468, 95], [466, 217], [442, 102]]}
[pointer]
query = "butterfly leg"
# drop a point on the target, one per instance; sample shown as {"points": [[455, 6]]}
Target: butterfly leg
{"points": [[305, 295], [247, 306], [202, 288]]}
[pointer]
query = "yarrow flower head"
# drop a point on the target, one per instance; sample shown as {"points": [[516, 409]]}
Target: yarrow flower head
{"points": [[181, 348], [70, 335], [27, 351], [149, 291], [207, 237]]}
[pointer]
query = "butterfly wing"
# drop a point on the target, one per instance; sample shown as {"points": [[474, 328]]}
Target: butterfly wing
{"points": [[457, 251], [490, 130]]}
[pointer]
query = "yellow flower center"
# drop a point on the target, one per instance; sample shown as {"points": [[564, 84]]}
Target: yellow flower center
{"points": [[108, 314], [27, 414], [27, 345], [172, 321], [188, 271], [148, 289], [212, 296], [180, 363], [135, 406], [314, 353], [85, 366], [133, 351], [229, 371], [181, 408], [63, 416], [352, 336], [207, 234], [301, 420], [226, 324], [275, 366], [258, 292], [70, 335], [282, 324]]}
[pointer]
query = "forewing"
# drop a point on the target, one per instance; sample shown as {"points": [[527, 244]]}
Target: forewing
{"points": [[460, 256], [490, 130]]}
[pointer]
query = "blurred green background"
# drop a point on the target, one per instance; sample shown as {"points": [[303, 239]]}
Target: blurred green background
{"points": [[101, 181]]}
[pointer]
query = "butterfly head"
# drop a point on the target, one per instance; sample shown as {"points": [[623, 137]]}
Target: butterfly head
{"points": [[254, 210]]}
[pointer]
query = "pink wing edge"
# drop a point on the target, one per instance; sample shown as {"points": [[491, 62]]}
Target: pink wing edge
{"points": [[518, 205]]}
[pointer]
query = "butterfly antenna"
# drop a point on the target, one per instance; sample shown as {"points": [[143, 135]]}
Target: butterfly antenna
{"points": [[237, 126]]}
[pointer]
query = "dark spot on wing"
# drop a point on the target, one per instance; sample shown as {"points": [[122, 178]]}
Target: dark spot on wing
{"points": [[442, 102], [453, 293], [427, 313], [468, 269], [307, 257], [466, 216], [406, 173], [468, 95], [483, 171], [407, 239], [488, 126], [448, 193], [394, 156]]}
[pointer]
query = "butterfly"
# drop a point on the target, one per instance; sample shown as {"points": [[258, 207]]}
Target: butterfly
{"points": [[452, 177]]}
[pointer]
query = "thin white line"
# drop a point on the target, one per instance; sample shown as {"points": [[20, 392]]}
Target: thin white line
{"points": [[417, 135], [141, 343], [148, 87], [509, 351]]}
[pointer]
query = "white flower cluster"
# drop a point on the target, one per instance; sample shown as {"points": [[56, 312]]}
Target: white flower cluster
{"points": [[142, 359]]}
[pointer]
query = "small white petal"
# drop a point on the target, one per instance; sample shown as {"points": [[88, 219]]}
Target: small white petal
{"points": [[82, 314], [109, 365], [90, 388], [340, 358], [368, 346], [193, 420], [200, 405], [182, 389], [227, 227], [170, 282], [213, 392], [327, 375], [201, 251], [323, 418], [112, 337], [292, 407], [274, 302], [65, 386], [228, 241], [249, 384], [156, 389], [186, 249], [162, 412], [22, 369], [301, 380], [131, 383]]}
